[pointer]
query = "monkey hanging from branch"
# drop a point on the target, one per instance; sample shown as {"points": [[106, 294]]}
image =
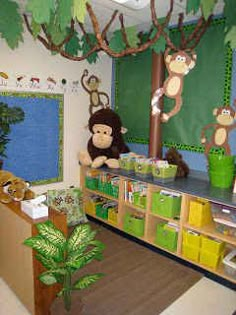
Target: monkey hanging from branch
{"points": [[226, 121], [178, 65], [91, 87]]}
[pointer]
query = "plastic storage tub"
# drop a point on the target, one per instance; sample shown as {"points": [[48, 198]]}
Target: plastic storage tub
{"points": [[166, 204], [166, 237], [199, 213], [164, 174], [230, 264]]}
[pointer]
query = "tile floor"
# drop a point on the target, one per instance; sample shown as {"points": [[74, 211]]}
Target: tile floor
{"points": [[206, 297]]}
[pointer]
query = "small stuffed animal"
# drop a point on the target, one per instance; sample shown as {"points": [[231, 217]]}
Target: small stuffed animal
{"points": [[106, 142], [174, 157], [13, 188]]}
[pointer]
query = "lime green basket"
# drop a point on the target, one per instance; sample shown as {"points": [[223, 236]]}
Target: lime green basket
{"points": [[164, 173]]}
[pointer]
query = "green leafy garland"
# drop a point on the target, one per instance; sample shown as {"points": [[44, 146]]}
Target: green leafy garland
{"points": [[57, 17]]}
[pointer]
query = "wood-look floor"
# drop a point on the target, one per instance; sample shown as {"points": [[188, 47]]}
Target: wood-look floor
{"points": [[138, 281]]}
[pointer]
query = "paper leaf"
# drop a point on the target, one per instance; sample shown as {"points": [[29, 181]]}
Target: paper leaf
{"points": [[9, 14], [73, 46], [160, 44], [36, 28], [116, 42], [55, 31], [207, 7], [41, 10], [192, 6], [64, 13], [86, 48], [231, 37], [132, 36], [79, 10], [229, 12]]}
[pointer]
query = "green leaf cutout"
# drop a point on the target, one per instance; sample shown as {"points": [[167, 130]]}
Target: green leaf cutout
{"points": [[132, 36], [231, 37], [230, 13], [86, 47], [160, 44], [79, 10], [116, 42], [192, 6], [36, 28], [73, 46], [64, 12], [11, 23], [207, 7], [41, 10]]}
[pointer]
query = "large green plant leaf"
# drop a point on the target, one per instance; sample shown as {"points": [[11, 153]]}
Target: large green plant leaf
{"points": [[86, 47], [73, 46], [64, 12], [80, 238], [231, 37], [78, 262], [11, 23], [51, 233], [36, 28], [44, 247], [48, 279], [41, 10], [48, 263], [53, 28], [79, 10], [207, 7], [87, 280], [116, 42], [192, 5]]}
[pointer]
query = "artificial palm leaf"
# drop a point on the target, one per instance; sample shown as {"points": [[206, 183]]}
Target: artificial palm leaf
{"points": [[80, 238], [48, 231], [85, 281]]}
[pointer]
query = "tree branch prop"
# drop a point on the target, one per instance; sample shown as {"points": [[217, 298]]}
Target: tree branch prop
{"points": [[102, 42]]}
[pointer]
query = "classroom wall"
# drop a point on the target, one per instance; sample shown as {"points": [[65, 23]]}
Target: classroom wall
{"points": [[33, 59]]}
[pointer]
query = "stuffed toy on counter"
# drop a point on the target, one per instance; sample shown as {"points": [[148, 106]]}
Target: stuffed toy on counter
{"points": [[106, 142], [13, 188]]}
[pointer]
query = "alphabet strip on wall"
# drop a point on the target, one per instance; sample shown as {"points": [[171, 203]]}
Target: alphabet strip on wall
{"points": [[31, 82]]}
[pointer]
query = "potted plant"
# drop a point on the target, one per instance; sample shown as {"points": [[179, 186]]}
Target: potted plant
{"points": [[8, 116], [63, 256]]}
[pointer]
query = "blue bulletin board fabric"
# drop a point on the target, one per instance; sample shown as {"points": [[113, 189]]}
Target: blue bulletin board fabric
{"points": [[35, 150]]}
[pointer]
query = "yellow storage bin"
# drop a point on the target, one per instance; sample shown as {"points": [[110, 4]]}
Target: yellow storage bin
{"points": [[191, 238], [190, 252], [113, 216], [209, 259], [213, 246], [199, 213], [89, 207]]}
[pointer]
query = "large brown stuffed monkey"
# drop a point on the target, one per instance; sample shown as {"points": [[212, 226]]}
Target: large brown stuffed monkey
{"points": [[106, 142]]}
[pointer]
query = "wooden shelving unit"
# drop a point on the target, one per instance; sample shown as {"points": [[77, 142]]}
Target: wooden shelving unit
{"points": [[190, 189]]}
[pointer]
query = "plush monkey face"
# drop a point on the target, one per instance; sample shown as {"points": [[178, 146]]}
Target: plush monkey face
{"points": [[225, 116], [179, 63], [102, 136]]}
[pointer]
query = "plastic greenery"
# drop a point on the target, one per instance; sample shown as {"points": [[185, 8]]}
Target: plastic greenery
{"points": [[62, 256], [8, 116]]}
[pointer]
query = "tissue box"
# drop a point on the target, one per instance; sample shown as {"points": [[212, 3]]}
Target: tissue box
{"points": [[35, 211]]}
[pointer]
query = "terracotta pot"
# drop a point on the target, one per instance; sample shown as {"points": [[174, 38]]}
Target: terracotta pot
{"points": [[58, 308]]}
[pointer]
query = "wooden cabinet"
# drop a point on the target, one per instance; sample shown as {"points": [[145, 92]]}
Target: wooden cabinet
{"points": [[18, 266], [166, 226]]}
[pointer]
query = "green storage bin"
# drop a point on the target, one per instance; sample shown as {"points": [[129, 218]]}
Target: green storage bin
{"points": [[127, 164], [91, 183], [140, 200], [102, 212], [166, 205], [166, 237], [134, 225], [115, 191], [142, 168]]}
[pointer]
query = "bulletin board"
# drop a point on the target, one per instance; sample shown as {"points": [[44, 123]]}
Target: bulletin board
{"points": [[205, 87], [35, 150]]}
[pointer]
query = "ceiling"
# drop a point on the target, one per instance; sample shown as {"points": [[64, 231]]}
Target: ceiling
{"points": [[141, 18]]}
